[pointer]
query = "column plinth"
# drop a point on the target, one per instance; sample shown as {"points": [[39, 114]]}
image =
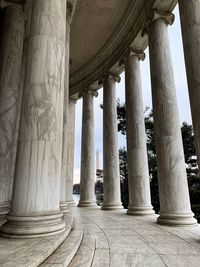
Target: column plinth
{"points": [[138, 174], [33, 226], [87, 193], [64, 207], [71, 203], [175, 206], [36, 192], [11, 46], [4, 208], [177, 219], [111, 181]]}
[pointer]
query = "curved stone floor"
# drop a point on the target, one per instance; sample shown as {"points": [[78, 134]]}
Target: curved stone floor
{"points": [[108, 239], [30, 252], [116, 239]]}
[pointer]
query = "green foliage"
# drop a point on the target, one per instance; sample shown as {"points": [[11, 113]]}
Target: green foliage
{"points": [[123, 176], [121, 117], [151, 153], [188, 141], [99, 175], [99, 187], [190, 159], [76, 189], [191, 168]]}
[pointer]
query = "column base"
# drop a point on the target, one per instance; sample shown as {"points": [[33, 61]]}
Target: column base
{"points": [[112, 206], [87, 204], [4, 208], [64, 207], [178, 219], [37, 225], [140, 211], [71, 203]]}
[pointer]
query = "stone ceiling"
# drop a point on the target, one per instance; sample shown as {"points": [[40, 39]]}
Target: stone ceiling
{"points": [[101, 31]]}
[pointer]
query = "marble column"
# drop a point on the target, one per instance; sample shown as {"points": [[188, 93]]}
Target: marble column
{"points": [[64, 166], [190, 25], [11, 47], [138, 173], [70, 152], [111, 180], [36, 193], [87, 193], [172, 179]]}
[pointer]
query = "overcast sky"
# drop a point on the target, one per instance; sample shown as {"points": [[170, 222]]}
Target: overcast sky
{"points": [[181, 90]]}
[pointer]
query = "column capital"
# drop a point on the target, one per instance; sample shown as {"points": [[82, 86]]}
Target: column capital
{"points": [[132, 52], [109, 75], [168, 17], [88, 90]]}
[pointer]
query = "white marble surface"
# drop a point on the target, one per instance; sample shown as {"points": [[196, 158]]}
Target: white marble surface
{"points": [[31, 252], [28, 12], [64, 166], [111, 182], [138, 173], [66, 252], [87, 195], [70, 151], [190, 24], [38, 167], [85, 254], [41, 127], [118, 240], [110, 239], [173, 188], [11, 48]]}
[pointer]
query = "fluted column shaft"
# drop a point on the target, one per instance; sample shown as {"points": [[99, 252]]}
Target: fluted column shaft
{"points": [[87, 195], [64, 166], [172, 179], [11, 47], [35, 203], [190, 24], [70, 151], [111, 180], [138, 174]]}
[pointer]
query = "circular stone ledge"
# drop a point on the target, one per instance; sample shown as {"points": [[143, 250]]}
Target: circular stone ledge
{"points": [[140, 211], [186, 219], [33, 252], [71, 203], [4, 208], [64, 207], [112, 206], [33, 226], [87, 204]]}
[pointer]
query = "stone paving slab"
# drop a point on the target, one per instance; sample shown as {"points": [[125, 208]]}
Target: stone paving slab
{"points": [[30, 252], [130, 241], [85, 254], [66, 252], [111, 239]]}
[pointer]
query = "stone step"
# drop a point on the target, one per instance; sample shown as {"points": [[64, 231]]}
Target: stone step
{"points": [[85, 254], [31, 252], [67, 250]]}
